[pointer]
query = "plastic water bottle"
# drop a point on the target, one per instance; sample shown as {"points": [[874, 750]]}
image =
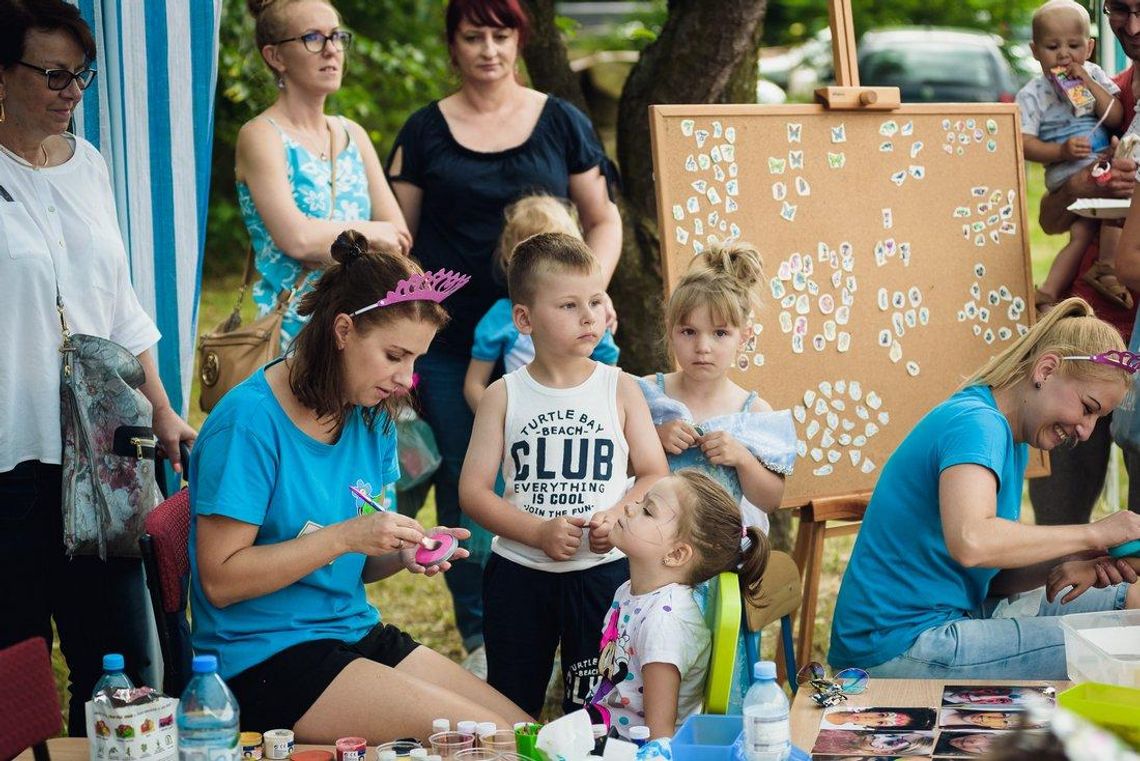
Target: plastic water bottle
{"points": [[114, 677], [767, 730], [207, 716]]}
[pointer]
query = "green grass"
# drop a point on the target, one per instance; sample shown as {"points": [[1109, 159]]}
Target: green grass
{"points": [[423, 606]]}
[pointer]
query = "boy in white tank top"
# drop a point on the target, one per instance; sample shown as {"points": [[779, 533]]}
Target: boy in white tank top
{"points": [[565, 431]]}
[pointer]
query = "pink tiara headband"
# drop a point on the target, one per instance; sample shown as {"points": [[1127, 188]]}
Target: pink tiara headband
{"points": [[1125, 360], [430, 286]]}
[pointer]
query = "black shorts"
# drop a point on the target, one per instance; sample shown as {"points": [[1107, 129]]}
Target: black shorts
{"points": [[277, 692]]}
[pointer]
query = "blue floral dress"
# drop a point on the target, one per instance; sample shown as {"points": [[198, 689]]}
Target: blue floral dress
{"points": [[311, 180], [769, 436]]}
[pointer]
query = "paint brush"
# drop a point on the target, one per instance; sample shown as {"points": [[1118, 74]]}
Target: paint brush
{"points": [[425, 542]]}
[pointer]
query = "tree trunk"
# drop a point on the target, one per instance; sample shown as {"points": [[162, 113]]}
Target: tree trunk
{"points": [[546, 58], [706, 53]]}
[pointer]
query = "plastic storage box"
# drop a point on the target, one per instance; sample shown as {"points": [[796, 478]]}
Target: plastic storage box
{"points": [[1103, 647], [1117, 709], [704, 737], [707, 737]]}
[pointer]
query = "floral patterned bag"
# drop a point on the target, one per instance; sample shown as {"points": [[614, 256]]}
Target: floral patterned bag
{"points": [[108, 447]]}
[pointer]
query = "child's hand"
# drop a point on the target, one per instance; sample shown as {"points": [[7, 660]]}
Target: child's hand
{"points": [[1076, 148], [677, 436], [1081, 575], [720, 448], [601, 524], [1078, 71], [1078, 574], [560, 538]]}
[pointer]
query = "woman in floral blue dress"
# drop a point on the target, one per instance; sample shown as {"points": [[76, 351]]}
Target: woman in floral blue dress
{"points": [[286, 157]]}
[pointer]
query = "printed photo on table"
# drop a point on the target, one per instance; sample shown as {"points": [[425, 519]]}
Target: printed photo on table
{"points": [[877, 744], [1011, 696], [863, 719], [970, 717], [965, 744]]}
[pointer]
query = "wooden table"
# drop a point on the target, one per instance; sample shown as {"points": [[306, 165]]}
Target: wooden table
{"points": [[75, 749], [883, 692]]}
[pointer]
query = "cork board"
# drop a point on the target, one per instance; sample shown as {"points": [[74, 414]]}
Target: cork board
{"points": [[894, 253]]}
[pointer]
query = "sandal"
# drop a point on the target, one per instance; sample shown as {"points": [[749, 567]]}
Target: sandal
{"points": [[1043, 301], [1101, 277]]}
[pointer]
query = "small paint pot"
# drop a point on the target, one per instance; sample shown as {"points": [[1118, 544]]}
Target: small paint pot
{"points": [[278, 744], [250, 745], [445, 547], [351, 749]]}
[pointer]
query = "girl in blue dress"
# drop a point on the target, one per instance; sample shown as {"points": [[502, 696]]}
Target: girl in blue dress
{"points": [[288, 156], [705, 419]]}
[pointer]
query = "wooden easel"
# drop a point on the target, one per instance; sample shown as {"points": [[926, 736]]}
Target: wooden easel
{"points": [[845, 95]]}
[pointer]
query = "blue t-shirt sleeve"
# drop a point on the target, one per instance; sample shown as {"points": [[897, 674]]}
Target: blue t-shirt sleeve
{"points": [[976, 437], [234, 473], [607, 350], [495, 333]]}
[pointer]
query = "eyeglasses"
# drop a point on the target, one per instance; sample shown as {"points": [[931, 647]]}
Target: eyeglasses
{"points": [[61, 79], [1119, 12], [315, 41], [829, 692]]}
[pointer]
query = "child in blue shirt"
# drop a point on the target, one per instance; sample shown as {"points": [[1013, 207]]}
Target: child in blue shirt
{"points": [[496, 336]]}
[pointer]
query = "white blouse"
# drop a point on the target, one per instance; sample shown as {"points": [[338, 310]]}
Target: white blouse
{"points": [[63, 215]]}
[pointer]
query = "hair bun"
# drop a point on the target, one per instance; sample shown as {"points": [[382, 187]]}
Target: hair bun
{"points": [[349, 246], [257, 7]]}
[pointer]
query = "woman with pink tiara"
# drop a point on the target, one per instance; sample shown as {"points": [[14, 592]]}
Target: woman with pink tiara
{"points": [[282, 542]]}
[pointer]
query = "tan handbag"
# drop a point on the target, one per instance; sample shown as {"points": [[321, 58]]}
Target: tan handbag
{"points": [[231, 353]]}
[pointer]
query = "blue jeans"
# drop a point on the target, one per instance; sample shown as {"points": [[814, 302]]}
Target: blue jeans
{"points": [[991, 645], [99, 607], [441, 396]]}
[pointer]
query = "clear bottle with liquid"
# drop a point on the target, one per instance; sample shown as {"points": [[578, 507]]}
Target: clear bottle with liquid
{"points": [[767, 726], [208, 716], [114, 675]]}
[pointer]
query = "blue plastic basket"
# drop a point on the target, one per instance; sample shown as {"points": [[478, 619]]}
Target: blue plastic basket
{"points": [[705, 737]]}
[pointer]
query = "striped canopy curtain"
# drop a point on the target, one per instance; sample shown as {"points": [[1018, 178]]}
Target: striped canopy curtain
{"points": [[150, 112]]}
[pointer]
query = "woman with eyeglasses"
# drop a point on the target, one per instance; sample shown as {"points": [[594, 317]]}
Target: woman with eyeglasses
{"points": [[941, 547], [58, 225], [289, 155]]}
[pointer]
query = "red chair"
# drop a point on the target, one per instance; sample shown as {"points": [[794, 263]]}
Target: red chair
{"points": [[166, 558], [29, 704]]}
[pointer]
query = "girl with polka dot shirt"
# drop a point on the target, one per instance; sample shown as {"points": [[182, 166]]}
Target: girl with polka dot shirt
{"points": [[655, 643]]}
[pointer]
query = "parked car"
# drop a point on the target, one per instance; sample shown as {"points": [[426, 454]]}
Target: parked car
{"points": [[800, 69], [932, 65]]}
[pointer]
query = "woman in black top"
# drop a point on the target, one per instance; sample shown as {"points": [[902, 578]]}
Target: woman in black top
{"points": [[456, 165]]}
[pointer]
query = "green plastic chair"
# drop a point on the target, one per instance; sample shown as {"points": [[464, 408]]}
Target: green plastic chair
{"points": [[722, 615]]}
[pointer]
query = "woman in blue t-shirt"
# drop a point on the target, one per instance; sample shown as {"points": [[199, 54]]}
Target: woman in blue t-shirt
{"points": [[281, 543], [456, 166], [941, 547]]}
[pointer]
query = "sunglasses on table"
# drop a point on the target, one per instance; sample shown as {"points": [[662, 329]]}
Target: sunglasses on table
{"points": [[829, 691]]}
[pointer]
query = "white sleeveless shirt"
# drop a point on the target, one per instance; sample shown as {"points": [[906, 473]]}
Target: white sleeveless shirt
{"points": [[564, 454]]}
